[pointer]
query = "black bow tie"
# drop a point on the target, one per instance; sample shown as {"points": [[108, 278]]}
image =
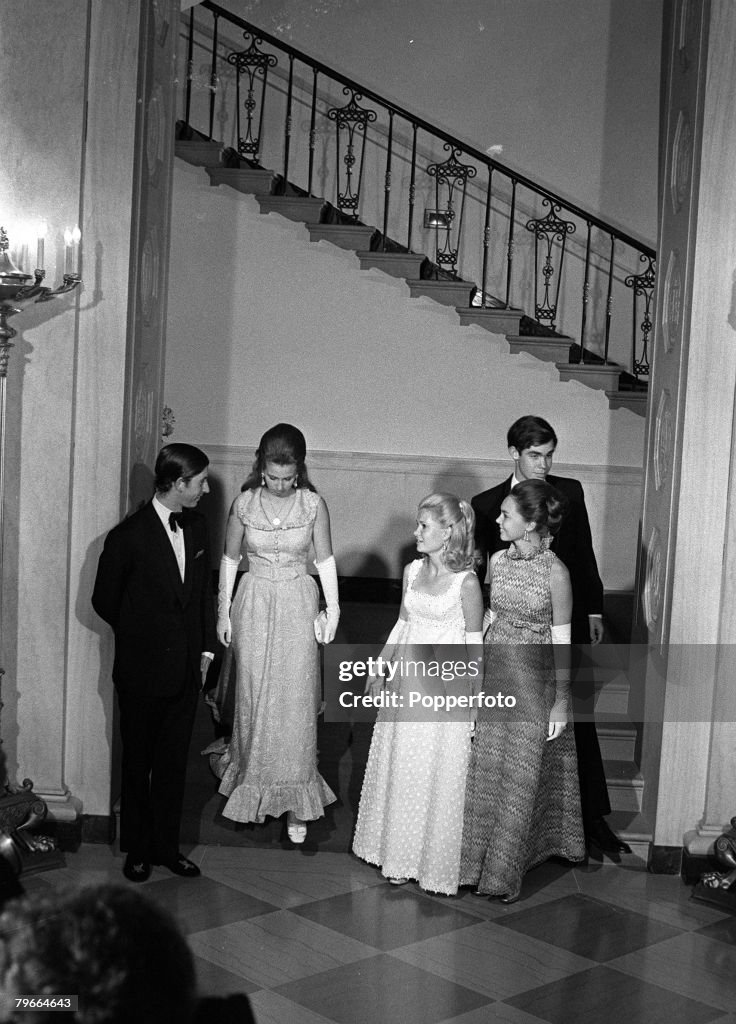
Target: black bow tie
{"points": [[176, 518]]}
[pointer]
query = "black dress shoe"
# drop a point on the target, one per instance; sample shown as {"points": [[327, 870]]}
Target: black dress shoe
{"points": [[599, 834], [136, 870], [180, 865]]}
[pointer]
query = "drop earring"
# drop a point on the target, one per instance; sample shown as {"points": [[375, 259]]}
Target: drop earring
{"points": [[526, 536], [263, 480]]}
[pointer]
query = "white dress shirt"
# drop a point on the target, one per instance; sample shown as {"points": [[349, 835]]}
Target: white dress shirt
{"points": [[175, 536]]}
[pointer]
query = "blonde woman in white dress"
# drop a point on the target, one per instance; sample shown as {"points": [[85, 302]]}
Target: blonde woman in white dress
{"points": [[411, 808]]}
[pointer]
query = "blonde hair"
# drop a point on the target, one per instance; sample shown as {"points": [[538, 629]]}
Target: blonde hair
{"points": [[450, 511]]}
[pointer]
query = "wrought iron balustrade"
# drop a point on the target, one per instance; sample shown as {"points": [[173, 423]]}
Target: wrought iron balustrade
{"points": [[375, 163]]}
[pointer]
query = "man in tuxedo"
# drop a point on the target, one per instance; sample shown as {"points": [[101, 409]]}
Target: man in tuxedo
{"points": [[532, 443], [154, 587]]}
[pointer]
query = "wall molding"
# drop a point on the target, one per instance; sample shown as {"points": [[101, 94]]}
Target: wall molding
{"points": [[372, 498], [423, 465]]}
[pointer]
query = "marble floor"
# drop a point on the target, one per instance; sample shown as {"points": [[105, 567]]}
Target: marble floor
{"points": [[317, 937]]}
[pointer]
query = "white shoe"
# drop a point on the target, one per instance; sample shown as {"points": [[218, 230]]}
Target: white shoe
{"points": [[296, 829]]}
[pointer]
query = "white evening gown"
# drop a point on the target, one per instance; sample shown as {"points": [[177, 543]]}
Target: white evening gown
{"points": [[410, 817]]}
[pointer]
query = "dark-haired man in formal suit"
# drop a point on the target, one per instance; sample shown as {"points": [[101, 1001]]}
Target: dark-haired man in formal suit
{"points": [[154, 587], [532, 443]]}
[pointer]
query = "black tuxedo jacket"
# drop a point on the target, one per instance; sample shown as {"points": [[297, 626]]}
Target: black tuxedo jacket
{"points": [[161, 624], [572, 544]]}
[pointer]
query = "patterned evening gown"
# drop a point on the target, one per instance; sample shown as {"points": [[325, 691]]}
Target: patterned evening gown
{"points": [[522, 802], [270, 764], [411, 806]]}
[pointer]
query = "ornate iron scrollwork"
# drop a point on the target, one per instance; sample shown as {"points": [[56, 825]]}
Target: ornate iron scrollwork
{"points": [[354, 120], [254, 63], [548, 229], [454, 175], [643, 285]]}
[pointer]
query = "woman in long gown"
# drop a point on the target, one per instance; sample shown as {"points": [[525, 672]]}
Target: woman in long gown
{"points": [[270, 764], [410, 815], [522, 802]]}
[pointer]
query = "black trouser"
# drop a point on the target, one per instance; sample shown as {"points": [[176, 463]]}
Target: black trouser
{"points": [[594, 800], [155, 732]]}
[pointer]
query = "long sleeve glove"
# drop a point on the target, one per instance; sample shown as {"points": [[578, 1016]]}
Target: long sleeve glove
{"points": [[228, 574], [489, 617], [561, 636], [325, 626]]}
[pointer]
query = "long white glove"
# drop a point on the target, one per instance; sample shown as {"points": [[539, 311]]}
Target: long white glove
{"points": [[559, 714], [228, 574], [325, 626]]}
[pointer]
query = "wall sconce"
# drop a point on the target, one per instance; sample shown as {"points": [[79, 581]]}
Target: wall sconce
{"points": [[15, 291], [438, 219], [21, 808]]}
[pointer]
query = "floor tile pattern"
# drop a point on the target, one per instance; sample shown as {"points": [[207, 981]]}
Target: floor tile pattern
{"points": [[317, 937]]}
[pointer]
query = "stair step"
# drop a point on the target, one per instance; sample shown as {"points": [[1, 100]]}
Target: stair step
{"points": [[397, 264], [636, 830], [617, 744], [625, 785], [307, 209], [603, 377], [201, 153], [612, 697], [550, 350], [243, 179], [498, 320], [636, 401], [450, 293], [347, 236]]}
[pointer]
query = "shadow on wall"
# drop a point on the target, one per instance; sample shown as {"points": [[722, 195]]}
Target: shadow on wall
{"points": [[142, 487]]}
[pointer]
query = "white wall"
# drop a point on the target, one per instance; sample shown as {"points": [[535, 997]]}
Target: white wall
{"points": [[570, 88], [266, 326], [67, 157]]}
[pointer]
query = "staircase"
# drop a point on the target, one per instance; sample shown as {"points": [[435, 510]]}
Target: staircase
{"points": [[521, 332], [618, 740]]}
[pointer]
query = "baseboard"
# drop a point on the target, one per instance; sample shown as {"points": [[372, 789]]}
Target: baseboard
{"points": [[98, 828], [665, 860], [695, 865]]}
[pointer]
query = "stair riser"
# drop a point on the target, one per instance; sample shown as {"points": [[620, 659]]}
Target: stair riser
{"points": [[247, 181], [449, 293], [617, 748], [501, 321], [548, 351], [344, 235], [603, 378], [635, 401], [307, 210], [397, 265], [612, 699], [201, 154], [624, 795]]}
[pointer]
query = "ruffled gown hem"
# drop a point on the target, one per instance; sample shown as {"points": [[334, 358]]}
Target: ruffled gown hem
{"points": [[255, 803]]}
